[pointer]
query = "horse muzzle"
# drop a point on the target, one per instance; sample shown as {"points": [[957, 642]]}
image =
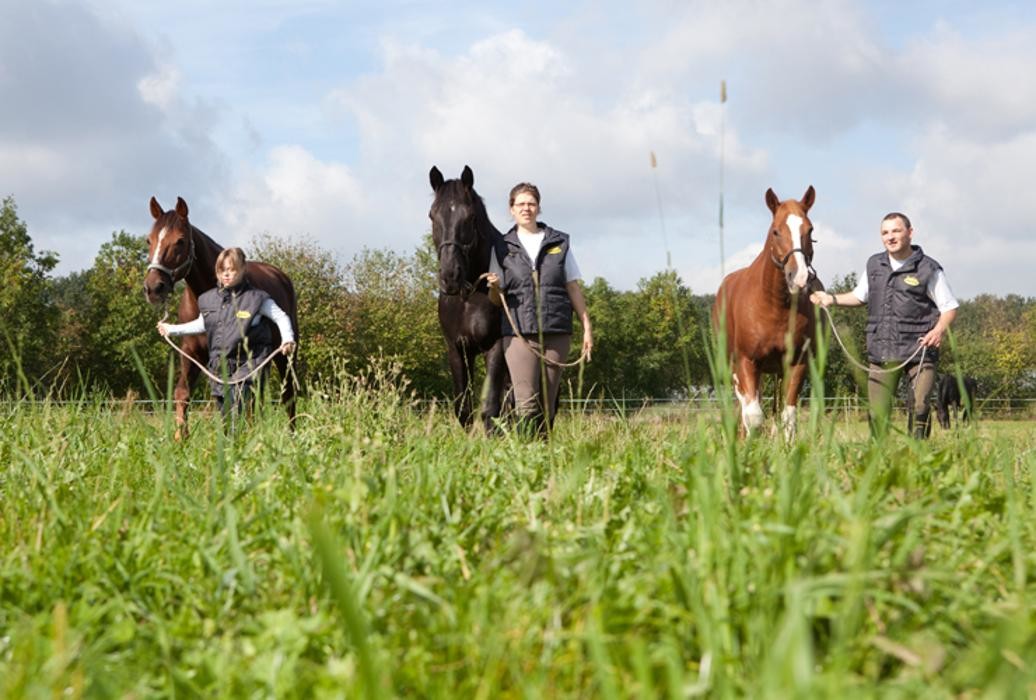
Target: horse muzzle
{"points": [[157, 287]]}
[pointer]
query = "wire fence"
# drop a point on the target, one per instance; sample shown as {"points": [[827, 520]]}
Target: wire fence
{"points": [[1000, 408], [849, 406]]}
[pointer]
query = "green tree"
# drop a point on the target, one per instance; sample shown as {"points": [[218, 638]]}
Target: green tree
{"points": [[119, 321], [842, 377], [993, 342], [396, 315], [327, 310], [28, 316], [647, 341]]}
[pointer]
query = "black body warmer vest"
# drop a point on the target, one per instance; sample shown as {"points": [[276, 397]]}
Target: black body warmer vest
{"points": [[229, 315], [899, 311], [522, 290]]}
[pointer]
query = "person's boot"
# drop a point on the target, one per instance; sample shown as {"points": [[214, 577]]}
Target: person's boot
{"points": [[921, 427]]}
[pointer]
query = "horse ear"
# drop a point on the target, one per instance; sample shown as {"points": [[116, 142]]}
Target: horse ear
{"points": [[156, 208], [809, 198], [435, 177], [467, 177], [181, 207], [772, 201]]}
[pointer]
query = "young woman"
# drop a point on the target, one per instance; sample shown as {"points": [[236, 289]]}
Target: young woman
{"points": [[230, 315], [534, 272]]}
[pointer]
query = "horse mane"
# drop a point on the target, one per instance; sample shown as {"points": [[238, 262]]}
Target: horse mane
{"points": [[456, 190], [482, 222]]}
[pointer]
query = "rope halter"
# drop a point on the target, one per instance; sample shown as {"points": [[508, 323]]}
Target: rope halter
{"points": [[177, 273]]}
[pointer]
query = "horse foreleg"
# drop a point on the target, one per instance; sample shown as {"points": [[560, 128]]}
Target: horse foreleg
{"points": [[746, 388], [796, 376], [496, 374], [182, 397], [462, 405]]}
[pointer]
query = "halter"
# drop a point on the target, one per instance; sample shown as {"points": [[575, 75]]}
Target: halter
{"points": [[784, 261], [179, 272], [467, 288]]}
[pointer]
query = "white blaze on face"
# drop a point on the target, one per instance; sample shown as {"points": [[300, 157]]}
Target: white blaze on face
{"points": [[158, 246], [794, 223]]}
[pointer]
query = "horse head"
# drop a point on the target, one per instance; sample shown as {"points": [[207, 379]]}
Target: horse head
{"points": [[790, 241], [170, 251], [454, 216]]}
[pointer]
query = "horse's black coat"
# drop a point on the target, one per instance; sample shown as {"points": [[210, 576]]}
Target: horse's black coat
{"points": [[464, 238], [948, 396]]}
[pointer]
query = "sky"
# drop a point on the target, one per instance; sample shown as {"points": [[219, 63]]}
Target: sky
{"points": [[319, 120]]}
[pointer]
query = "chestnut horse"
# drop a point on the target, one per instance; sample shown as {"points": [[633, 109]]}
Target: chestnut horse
{"points": [[177, 250], [464, 238], [764, 305]]}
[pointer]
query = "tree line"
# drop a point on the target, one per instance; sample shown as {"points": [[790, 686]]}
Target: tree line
{"points": [[92, 332]]}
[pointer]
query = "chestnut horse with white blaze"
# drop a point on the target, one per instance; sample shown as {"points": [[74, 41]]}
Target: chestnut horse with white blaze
{"points": [[765, 305], [177, 250]]}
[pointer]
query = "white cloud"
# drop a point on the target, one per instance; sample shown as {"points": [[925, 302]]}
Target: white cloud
{"points": [[81, 149], [512, 108], [981, 86], [295, 194], [933, 119], [160, 88]]}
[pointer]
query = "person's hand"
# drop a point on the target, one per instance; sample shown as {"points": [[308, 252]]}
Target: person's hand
{"points": [[163, 329], [822, 298], [932, 339], [287, 348], [588, 343], [492, 280]]}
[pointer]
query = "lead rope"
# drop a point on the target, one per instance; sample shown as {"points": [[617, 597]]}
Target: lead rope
{"points": [[514, 326], [866, 368], [218, 380]]}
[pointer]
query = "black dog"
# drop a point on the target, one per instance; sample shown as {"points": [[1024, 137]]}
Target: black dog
{"points": [[948, 396]]}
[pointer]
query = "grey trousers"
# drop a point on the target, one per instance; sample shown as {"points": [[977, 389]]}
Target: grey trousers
{"points": [[528, 373]]}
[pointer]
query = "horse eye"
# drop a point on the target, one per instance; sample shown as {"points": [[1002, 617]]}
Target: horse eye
{"points": [[776, 232]]}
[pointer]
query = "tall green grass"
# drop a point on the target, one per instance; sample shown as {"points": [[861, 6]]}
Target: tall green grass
{"points": [[380, 550]]}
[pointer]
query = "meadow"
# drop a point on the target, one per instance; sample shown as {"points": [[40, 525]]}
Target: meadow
{"points": [[381, 551]]}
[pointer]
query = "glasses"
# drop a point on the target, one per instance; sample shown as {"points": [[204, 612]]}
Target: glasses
{"points": [[526, 205]]}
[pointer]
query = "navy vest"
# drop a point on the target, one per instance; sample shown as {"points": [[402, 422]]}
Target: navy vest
{"points": [[519, 288], [899, 311], [229, 314]]}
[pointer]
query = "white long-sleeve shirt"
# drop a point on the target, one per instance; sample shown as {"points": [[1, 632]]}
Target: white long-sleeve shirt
{"points": [[938, 289], [269, 309], [532, 242]]}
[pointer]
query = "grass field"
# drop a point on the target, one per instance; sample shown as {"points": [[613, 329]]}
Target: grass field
{"points": [[382, 551]]}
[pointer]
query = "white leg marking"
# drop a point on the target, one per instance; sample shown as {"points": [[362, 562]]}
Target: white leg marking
{"points": [[751, 411], [788, 422]]}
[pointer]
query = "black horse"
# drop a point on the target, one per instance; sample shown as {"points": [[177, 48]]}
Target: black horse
{"points": [[464, 237], [948, 397]]}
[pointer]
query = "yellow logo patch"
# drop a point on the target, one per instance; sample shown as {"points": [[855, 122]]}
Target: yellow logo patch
{"points": [[556, 250], [911, 280], [244, 314]]}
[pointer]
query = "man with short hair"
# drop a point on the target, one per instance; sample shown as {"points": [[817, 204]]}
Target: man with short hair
{"points": [[909, 307]]}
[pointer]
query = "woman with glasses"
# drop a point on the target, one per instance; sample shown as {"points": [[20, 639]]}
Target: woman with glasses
{"points": [[535, 273]]}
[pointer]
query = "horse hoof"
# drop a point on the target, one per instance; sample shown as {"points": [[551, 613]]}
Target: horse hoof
{"points": [[180, 435]]}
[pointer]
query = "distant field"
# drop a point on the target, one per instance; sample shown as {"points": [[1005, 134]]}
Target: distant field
{"points": [[381, 550]]}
